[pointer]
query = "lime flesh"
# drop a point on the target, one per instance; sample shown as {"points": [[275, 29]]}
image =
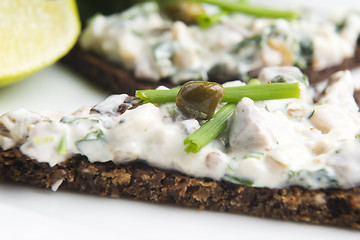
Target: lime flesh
{"points": [[34, 34]]}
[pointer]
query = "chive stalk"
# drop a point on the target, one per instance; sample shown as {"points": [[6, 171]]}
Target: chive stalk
{"points": [[157, 96], [252, 10], [260, 92], [210, 130], [257, 92]]}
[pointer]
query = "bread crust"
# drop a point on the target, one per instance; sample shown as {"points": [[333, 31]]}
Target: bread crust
{"points": [[139, 181], [115, 78]]}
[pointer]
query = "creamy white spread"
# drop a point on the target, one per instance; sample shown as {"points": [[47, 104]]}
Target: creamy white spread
{"points": [[154, 47], [275, 143]]}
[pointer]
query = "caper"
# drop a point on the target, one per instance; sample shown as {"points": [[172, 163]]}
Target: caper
{"points": [[199, 99], [185, 11]]}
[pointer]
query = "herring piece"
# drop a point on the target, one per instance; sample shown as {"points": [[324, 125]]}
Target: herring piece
{"points": [[340, 90], [337, 111], [43, 142], [346, 163], [288, 74], [247, 126], [6, 143], [110, 106], [17, 123]]}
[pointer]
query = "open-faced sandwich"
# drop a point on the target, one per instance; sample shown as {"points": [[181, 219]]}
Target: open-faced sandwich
{"points": [[264, 149], [147, 45]]}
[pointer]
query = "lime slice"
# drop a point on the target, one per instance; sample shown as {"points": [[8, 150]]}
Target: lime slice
{"points": [[34, 34]]}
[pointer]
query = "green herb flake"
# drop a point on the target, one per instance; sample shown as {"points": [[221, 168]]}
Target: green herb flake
{"points": [[62, 148], [311, 114], [308, 178], [236, 180], [205, 20], [70, 120], [256, 155], [95, 135], [41, 140], [291, 174], [254, 41], [230, 168], [137, 33], [171, 110], [90, 137], [267, 108], [253, 81]]}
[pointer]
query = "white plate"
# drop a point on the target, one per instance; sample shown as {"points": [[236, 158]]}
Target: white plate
{"points": [[30, 213]]}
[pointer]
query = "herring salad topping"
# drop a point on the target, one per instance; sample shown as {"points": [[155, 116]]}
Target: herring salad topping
{"points": [[272, 143], [154, 47]]}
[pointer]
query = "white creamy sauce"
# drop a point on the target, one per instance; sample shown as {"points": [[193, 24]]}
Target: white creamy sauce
{"points": [[154, 47], [275, 143]]}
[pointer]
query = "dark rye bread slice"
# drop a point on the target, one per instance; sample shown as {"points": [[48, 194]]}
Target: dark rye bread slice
{"points": [[116, 79], [139, 181]]}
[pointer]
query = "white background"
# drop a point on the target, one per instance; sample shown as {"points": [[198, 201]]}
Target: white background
{"points": [[30, 213]]}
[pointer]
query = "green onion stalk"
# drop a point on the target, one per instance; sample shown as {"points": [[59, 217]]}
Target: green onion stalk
{"points": [[257, 92], [252, 10], [237, 6], [210, 130]]}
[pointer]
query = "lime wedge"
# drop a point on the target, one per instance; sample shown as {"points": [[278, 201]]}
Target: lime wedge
{"points": [[34, 34]]}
